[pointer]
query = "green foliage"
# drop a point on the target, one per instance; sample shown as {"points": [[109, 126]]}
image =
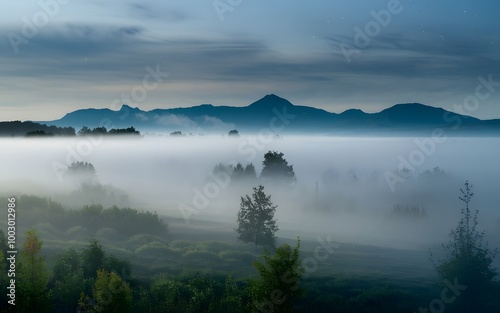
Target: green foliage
{"points": [[32, 277], [468, 260], [69, 281], [92, 258], [111, 294], [3, 243], [3, 280], [206, 256], [118, 266], [278, 286], [74, 273], [90, 219], [276, 168], [256, 221], [194, 294]]}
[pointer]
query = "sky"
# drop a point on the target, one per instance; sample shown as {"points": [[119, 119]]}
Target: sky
{"points": [[58, 56]]}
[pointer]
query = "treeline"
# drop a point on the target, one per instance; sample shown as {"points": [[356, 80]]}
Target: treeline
{"points": [[125, 221], [275, 169], [32, 129], [99, 131], [93, 280]]}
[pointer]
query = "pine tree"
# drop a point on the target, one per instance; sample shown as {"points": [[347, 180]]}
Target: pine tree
{"points": [[468, 260]]}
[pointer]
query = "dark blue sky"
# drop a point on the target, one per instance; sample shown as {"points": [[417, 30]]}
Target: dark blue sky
{"points": [[333, 55]]}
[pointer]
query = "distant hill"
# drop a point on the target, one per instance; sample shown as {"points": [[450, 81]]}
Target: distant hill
{"points": [[278, 114], [23, 129]]}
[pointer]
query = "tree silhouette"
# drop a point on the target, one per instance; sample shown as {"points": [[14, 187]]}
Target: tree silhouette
{"points": [[276, 167], [84, 131], [234, 133], [240, 172], [279, 283], [468, 260], [83, 171], [256, 221]]}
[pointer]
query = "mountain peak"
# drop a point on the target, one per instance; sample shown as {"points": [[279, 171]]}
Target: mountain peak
{"points": [[353, 112], [126, 107], [270, 101]]}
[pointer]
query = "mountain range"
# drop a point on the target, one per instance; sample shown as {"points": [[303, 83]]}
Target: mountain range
{"points": [[278, 114]]}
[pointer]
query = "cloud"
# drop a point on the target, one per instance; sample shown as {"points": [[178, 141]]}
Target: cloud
{"points": [[174, 120], [170, 14], [217, 123], [142, 117]]}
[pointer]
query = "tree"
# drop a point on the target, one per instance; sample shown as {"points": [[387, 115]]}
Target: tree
{"points": [[250, 172], [32, 277], [243, 173], [468, 260], [84, 131], [276, 167], [83, 171], [111, 294], [279, 283], [69, 281], [256, 221], [233, 133], [92, 259], [3, 281], [3, 242], [176, 133]]}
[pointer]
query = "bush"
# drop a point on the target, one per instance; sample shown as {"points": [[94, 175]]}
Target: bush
{"points": [[157, 249], [243, 257], [183, 245], [136, 241], [202, 256], [78, 232], [108, 234]]}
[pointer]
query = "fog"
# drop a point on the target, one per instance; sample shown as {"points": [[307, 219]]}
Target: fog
{"points": [[341, 189]]}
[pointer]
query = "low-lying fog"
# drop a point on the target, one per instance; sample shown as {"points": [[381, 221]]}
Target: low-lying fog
{"points": [[342, 184]]}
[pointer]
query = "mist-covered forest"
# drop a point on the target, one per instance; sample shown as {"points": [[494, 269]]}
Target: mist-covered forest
{"points": [[241, 224]]}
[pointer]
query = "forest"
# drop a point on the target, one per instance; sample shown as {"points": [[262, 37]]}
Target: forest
{"points": [[108, 258]]}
